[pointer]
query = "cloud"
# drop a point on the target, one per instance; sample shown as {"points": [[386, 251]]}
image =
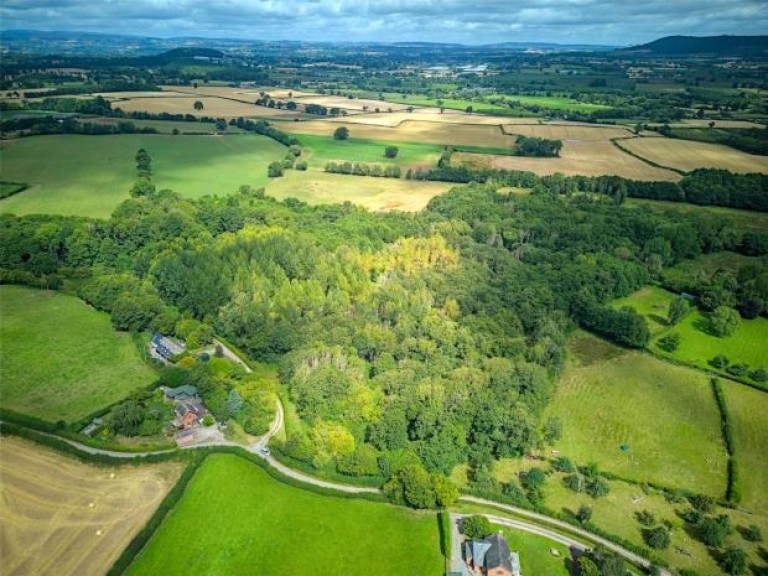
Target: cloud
{"points": [[482, 21]]}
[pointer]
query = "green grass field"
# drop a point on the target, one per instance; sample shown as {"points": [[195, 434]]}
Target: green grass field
{"points": [[746, 345], [91, 175], [535, 553], [665, 413], [323, 149], [748, 408], [697, 347], [235, 519], [451, 103], [556, 103], [61, 360]]}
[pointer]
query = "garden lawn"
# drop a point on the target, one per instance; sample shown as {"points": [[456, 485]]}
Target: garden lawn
{"points": [[748, 344], [748, 408], [323, 149], [535, 555], [61, 359], [235, 519], [90, 175], [666, 414]]}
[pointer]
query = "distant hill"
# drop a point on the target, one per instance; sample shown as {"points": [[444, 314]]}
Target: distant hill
{"points": [[704, 45]]}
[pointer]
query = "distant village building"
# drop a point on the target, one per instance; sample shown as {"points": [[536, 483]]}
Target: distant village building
{"points": [[491, 557], [165, 347]]}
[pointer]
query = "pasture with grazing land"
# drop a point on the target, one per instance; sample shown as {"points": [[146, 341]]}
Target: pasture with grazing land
{"points": [[688, 155], [62, 360], [697, 346], [91, 175], [747, 408], [666, 415], [315, 187], [236, 519], [60, 516], [323, 149]]}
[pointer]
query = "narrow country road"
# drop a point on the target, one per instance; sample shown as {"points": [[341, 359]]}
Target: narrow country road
{"points": [[570, 528], [533, 522]]}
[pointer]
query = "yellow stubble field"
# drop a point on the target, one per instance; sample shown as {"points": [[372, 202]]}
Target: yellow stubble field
{"points": [[688, 155], [413, 131], [62, 517]]}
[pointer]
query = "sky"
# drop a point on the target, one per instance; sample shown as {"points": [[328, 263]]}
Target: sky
{"points": [[617, 23]]}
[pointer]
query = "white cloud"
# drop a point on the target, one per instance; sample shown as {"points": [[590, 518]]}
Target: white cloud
{"points": [[481, 21]]}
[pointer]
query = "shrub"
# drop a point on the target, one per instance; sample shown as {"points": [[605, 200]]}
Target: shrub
{"points": [[738, 369], [275, 170], [657, 538], [341, 133], [734, 561], [208, 420], [645, 518], [598, 486], [301, 165], [702, 503], [575, 482], [584, 514], [752, 533], [713, 531], [563, 464], [669, 343], [721, 362], [390, 152], [476, 527]]}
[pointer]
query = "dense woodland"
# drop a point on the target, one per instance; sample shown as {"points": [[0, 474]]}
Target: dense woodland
{"points": [[405, 341]]}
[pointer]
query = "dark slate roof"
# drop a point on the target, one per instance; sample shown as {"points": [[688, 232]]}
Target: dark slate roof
{"points": [[183, 390], [498, 554], [475, 551]]}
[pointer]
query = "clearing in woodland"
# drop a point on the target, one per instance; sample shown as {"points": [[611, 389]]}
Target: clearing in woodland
{"points": [[62, 517], [665, 416], [62, 360], [235, 519], [315, 187]]}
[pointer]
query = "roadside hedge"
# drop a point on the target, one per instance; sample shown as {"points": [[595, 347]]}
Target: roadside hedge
{"points": [[169, 503], [364, 481], [60, 444]]}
